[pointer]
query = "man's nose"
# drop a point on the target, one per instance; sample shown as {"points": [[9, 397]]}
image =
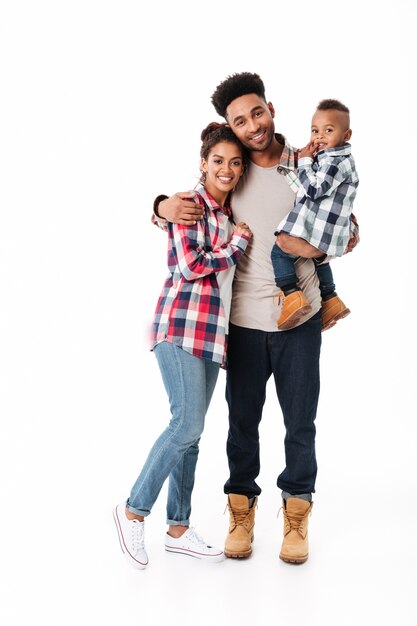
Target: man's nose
{"points": [[253, 125]]}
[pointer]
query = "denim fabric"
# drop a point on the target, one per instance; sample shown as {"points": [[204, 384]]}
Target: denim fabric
{"points": [[303, 496], [292, 357], [189, 382], [325, 276], [283, 266]]}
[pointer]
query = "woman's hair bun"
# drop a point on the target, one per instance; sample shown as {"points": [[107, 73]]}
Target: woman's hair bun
{"points": [[211, 128]]}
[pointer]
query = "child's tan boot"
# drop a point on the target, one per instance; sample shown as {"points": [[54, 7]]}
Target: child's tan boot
{"points": [[332, 310], [294, 306]]}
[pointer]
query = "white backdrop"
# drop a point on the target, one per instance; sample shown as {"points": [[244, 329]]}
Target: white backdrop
{"points": [[101, 109]]}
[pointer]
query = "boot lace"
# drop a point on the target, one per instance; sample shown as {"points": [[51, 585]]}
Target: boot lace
{"points": [[294, 520], [240, 518]]}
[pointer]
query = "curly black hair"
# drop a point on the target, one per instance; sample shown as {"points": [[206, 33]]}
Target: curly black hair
{"points": [[328, 104], [235, 86]]}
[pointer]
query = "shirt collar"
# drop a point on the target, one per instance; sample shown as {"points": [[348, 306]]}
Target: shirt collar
{"points": [[344, 150], [211, 202], [288, 156]]}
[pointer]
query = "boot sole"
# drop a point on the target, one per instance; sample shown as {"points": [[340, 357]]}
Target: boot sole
{"points": [[332, 321], [294, 318], [294, 561]]}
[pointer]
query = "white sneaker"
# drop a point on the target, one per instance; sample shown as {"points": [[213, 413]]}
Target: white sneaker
{"points": [[131, 537], [192, 544]]}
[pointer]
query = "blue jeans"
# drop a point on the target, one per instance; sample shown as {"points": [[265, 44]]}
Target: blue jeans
{"points": [[292, 357], [283, 265], [189, 382]]}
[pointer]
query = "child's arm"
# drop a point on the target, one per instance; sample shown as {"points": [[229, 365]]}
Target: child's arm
{"points": [[327, 178]]}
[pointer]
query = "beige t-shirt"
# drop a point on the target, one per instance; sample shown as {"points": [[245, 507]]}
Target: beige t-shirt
{"points": [[262, 200]]}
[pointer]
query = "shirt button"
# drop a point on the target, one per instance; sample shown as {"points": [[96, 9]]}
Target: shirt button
{"points": [[280, 170]]}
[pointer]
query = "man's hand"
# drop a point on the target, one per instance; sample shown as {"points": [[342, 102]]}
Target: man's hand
{"points": [[297, 246], [354, 234], [179, 210]]}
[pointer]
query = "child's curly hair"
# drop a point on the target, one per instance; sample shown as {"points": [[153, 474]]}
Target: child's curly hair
{"points": [[329, 103]]}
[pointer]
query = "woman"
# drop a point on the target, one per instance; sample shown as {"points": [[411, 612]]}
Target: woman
{"points": [[189, 341]]}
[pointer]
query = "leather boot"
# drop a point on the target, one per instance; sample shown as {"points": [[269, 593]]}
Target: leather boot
{"points": [[294, 306], [242, 520], [295, 545], [332, 310]]}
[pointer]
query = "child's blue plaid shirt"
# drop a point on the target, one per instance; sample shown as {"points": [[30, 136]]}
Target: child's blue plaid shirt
{"points": [[323, 207]]}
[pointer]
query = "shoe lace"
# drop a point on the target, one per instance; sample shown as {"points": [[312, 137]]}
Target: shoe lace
{"points": [[138, 535], [194, 537], [295, 520], [239, 517]]}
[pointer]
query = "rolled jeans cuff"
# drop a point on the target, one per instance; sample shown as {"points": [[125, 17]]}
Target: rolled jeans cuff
{"points": [[303, 496]]}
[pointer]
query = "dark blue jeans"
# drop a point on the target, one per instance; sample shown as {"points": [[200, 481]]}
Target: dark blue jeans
{"points": [[292, 357]]}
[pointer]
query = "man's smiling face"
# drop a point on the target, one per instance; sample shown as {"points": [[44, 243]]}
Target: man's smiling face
{"points": [[251, 120]]}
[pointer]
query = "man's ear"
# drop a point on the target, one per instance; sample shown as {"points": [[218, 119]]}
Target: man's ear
{"points": [[271, 109]]}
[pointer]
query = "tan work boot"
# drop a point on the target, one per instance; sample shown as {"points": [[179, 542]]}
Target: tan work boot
{"points": [[294, 548], [332, 310], [294, 306], [238, 543]]}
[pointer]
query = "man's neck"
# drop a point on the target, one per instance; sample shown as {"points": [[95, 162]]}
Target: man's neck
{"points": [[269, 157]]}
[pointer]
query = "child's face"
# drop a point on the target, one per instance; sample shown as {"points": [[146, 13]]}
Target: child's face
{"points": [[330, 128], [223, 167]]}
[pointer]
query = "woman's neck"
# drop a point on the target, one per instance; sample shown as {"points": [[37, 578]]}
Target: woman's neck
{"points": [[219, 196]]}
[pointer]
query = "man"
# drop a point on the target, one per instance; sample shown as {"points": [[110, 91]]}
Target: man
{"points": [[257, 348]]}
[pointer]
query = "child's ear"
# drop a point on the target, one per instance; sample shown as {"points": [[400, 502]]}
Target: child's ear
{"points": [[348, 134]]}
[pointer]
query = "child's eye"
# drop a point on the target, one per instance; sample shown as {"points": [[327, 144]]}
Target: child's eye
{"points": [[329, 130], [314, 131]]}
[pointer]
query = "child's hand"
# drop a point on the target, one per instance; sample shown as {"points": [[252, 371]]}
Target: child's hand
{"points": [[308, 151]]}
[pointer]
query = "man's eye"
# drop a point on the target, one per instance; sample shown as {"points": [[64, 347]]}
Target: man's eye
{"points": [[239, 123]]}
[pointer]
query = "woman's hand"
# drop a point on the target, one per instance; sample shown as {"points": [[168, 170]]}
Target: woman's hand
{"points": [[242, 229]]}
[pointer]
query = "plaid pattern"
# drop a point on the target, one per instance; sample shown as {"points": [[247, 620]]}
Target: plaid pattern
{"points": [[288, 163], [190, 312], [323, 207]]}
